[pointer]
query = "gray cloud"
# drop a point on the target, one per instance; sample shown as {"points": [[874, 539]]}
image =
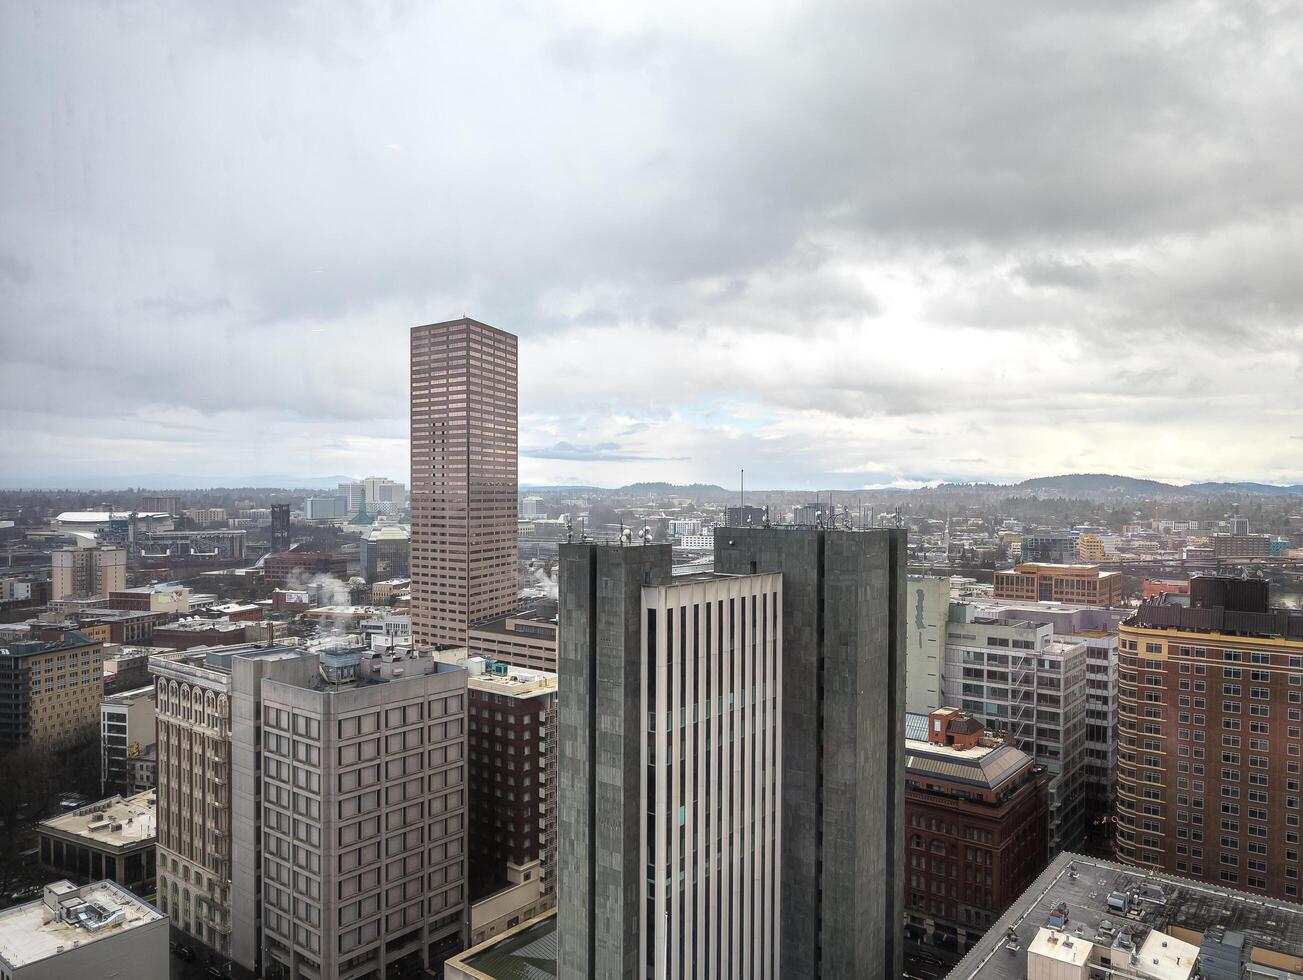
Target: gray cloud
{"points": [[608, 452], [903, 215]]}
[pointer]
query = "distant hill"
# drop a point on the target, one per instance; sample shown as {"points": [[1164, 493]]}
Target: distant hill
{"points": [[1263, 489], [1112, 486], [1095, 485]]}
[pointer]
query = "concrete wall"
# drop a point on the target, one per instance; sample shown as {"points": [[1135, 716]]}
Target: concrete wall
{"points": [[843, 742], [600, 870], [247, 674], [926, 611], [139, 953]]}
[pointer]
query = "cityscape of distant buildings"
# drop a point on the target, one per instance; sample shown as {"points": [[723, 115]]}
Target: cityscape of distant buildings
{"points": [[489, 731]]}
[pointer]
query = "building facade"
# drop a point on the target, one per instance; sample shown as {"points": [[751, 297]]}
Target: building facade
{"points": [[328, 508], [384, 553], [1049, 547], [464, 478], [1211, 738], [744, 515], [844, 621], [926, 613], [78, 572], [311, 821], [839, 749], [98, 931], [527, 638], [671, 778], [364, 820], [127, 726], [1019, 681], [50, 692], [511, 772], [1073, 584], [112, 839], [976, 817]]}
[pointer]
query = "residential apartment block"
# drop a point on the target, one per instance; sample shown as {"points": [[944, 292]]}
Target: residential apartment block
{"points": [[511, 781], [50, 692], [1211, 738], [1019, 681], [78, 572]]}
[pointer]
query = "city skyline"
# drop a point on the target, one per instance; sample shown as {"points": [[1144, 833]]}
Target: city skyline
{"points": [[909, 244]]}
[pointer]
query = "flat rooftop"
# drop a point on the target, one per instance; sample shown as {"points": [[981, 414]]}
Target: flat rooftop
{"points": [[529, 952], [127, 697], [34, 932], [117, 822], [516, 683], [1171, 905]]}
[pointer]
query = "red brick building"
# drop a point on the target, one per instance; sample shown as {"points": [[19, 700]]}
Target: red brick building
{"points": [[1210, 738], [976, 810], [278, 569], [511, 775], [1165, 586]]}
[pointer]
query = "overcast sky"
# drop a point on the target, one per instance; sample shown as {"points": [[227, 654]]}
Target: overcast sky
{"points": [[840, 244]]}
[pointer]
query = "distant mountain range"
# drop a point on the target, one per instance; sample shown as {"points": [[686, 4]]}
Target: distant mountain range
{"points": [[1089, 486], [1074, 485], [1104, 485], [173, 481]]}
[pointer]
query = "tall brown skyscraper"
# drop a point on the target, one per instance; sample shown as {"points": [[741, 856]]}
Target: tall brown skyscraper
{"points": [[463, 557]]}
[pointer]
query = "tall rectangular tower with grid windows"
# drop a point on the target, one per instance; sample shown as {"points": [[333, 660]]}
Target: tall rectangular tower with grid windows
{"points": [[464, 471]]}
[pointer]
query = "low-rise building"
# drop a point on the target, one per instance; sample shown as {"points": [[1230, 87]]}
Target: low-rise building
{"points": [[188, 633], [112, 839], [170, 598], [975, 822], [280, 568], [1086, 918], [99, 931], [527, 638], [527, 950], [1076, 584]]}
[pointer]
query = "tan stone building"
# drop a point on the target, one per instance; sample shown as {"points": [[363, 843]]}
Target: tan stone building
{"points": [[50, 692], [1083, 585]]}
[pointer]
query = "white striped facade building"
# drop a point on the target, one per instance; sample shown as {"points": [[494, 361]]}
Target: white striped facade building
{"points": [[712, 836]]}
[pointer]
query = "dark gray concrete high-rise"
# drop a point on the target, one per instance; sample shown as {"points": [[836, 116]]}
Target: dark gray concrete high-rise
{"points": [[600, 868], [843, 739], [839, 701]]}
